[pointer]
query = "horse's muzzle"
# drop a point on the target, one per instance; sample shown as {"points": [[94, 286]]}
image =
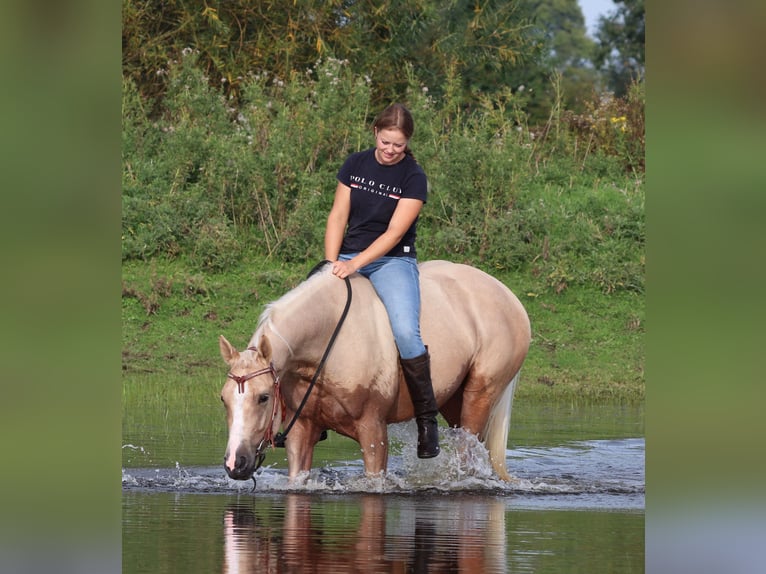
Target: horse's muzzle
{"points": [[243, 468], [244, 465]]}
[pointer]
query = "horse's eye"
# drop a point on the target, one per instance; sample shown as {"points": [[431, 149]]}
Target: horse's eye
{"points": [[262, 399]]}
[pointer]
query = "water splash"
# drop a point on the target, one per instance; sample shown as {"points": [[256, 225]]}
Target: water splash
{"points": [[610, 472], [142, 453], [462, 464]]}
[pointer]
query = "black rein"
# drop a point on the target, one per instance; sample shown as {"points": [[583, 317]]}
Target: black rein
{"points": [[279, 438]]}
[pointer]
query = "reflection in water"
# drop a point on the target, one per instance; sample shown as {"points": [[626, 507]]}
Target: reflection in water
{"points": [[578, 504], [367, 533]]}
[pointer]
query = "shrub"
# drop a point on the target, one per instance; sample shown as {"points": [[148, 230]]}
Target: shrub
{"points": [[211, 181], [613, 127], [216, 247]]}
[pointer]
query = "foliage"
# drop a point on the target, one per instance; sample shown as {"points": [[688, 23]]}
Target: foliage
{"points": [[482, 48], [564, 57], [613, 126], [285, 37], [205, 172], [621, 41], [218, 182], [231, 37]]}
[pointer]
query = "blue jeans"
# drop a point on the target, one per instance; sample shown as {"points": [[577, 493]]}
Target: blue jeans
{"points": [[397, 282]]}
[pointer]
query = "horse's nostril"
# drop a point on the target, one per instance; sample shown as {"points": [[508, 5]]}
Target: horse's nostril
{"points": [[241, 462]]}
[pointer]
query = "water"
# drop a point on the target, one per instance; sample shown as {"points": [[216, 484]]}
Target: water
{"points": [[576, 504], [297, 532]]}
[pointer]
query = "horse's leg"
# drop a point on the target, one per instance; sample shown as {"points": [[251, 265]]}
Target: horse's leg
{"points": [[460, 414], [479, 398], [299, 458], [300, 449], [452, 408], [373, 440], [477, 402]]}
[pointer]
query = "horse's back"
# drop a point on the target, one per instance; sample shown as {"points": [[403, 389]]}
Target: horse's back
{"points": [[470, 294], [467, 312]]}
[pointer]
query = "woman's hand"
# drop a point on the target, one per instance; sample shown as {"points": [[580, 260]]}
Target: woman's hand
{"points": [[343, 269]]}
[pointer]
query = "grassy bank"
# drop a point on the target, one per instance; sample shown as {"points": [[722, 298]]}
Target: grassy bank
{"points": [[224, 207], [587, 345]]}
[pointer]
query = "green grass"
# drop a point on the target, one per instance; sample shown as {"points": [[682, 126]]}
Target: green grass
{"points": [[587, 345], [223, 211], [172, 315], [587, 349]]}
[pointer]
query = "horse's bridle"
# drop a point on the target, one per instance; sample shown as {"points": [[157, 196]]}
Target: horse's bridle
{"points": [[242, 379], [268, 437]]}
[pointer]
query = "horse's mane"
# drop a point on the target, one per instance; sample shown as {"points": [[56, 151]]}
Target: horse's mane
{"points": [[287, 299]]}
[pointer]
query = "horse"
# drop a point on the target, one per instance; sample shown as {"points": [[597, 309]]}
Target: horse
{"points": [[477, 333]]}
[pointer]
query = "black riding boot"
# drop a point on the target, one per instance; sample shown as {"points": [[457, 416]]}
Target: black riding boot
{"points": [[417, 374]]}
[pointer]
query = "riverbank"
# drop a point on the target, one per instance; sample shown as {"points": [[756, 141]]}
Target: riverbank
{"points": [[587, 345]]}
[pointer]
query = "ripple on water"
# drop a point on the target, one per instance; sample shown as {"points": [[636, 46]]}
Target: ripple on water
{"points": [[598, 473]]}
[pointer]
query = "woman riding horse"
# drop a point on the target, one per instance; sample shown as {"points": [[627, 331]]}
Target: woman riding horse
{"points": [[371, 230]]}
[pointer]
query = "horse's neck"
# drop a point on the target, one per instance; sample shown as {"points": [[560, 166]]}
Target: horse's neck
{"points": [[298, 328]]}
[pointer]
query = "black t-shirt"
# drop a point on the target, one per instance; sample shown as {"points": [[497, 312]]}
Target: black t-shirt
{"points": [[375, 193]]}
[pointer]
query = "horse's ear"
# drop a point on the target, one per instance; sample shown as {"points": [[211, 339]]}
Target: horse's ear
{"points": [[264, 348], [228, 352]]}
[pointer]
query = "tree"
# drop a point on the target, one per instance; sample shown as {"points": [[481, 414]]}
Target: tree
{"points": [[477, 44], [562, 73], [232, 37], [621, 41]]}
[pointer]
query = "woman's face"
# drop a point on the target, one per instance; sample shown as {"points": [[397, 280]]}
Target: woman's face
{"points": [[389, 146]]}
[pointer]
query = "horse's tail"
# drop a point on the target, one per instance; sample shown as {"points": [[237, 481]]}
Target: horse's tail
{"points": [[496, 430]]}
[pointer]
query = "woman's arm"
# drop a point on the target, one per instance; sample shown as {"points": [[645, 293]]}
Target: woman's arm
{"points": [[337, 221]]}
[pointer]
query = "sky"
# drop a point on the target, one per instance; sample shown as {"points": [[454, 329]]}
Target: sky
{"points": [[592, 9]]}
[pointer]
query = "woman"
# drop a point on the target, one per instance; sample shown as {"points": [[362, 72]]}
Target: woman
{"points": [[371, 230]]}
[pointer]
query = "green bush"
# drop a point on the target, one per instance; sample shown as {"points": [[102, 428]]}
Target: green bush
{"points": [[211, 181], [613, 127]]}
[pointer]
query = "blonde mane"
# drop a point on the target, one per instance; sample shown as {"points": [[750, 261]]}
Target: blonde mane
{"points": [[285, 301]]}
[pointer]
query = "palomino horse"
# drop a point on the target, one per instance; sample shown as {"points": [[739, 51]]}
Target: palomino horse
{"points": [[477, 333]]}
